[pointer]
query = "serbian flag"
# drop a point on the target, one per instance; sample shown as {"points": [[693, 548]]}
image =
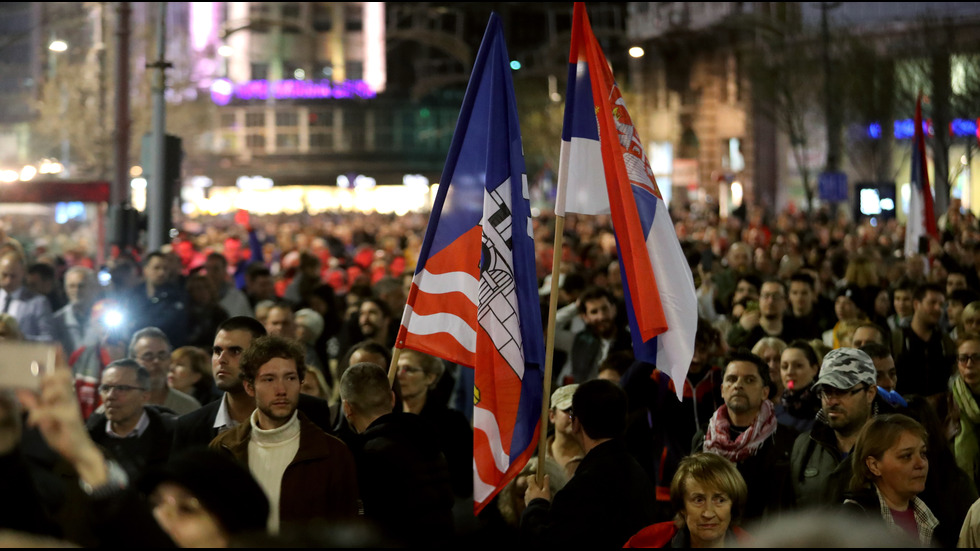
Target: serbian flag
{"points": [[921, 216], [604, 170], [474, 297]]}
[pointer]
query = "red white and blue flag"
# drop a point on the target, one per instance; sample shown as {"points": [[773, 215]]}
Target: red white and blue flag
{"points": [[921, 216], [474, 297], [603, 169]]}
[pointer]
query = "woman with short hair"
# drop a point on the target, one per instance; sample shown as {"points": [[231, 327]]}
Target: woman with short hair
{"points": [[889, 470], [709, 495]]}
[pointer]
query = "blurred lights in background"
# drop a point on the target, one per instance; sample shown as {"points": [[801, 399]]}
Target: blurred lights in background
{"points": [[400, 200], [29, 172]]}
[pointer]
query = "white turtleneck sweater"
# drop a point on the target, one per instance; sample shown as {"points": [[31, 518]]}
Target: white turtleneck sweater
{"points": [[269, 453]]}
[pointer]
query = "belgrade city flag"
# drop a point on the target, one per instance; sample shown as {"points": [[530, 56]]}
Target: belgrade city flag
{"points": [[921, 216], [474, 297], [603, 169]]}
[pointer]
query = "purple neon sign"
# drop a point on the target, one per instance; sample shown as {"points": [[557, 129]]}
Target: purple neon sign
{"points": [[223, 90]]}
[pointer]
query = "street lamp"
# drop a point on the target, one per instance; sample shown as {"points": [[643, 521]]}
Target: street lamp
{"points": [[58, 46], [636, 52]]}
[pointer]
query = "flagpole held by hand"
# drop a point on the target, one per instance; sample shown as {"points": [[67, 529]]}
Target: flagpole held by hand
{"points": [[393, 369], [549, 351]]}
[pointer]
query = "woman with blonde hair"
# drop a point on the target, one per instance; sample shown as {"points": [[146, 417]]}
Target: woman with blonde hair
{"points": [[770, 349], [889, 469], [709, 495], [190, 373]]}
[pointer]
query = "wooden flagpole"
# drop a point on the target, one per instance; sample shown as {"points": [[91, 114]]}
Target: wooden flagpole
{"points": [[393, 369], [549, 352]]}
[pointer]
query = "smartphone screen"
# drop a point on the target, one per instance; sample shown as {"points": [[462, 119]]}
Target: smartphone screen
{"points": [[23, 363]]}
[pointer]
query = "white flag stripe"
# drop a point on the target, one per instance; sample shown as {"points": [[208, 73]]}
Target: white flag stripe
{"points": [[484, 420], [675, 347], [583, 159], [450, 282], [481, 490], [915, 221], [442, 322]]}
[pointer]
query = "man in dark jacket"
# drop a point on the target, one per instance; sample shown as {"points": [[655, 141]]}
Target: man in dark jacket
{"points": [[200, 427], [603, 334], [307, 474], [819, 465], [745, 431], [610, 498], [137, 434], [401, 471], [158, 302]]}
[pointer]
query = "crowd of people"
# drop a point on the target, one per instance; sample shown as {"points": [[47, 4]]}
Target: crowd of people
{"points": [[232, 388]]}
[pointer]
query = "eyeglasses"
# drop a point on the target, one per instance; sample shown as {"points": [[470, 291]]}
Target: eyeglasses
{"points": [[827, 393], [967, 358], [160, 357], [106, 389], [409, 369]]}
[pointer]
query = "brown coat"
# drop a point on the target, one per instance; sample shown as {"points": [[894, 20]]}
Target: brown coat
{"points": [[319, 484]]}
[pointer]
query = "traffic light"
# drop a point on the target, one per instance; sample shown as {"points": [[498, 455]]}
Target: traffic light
{"points": [[173, 157]]}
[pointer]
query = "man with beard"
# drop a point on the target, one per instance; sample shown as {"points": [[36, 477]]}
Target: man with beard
{"points": [[374, 319], [769, 320], [602, 334], [820, 466], [307, 474], [923, 351], [200, 427], [745, 431], [71, 322]]}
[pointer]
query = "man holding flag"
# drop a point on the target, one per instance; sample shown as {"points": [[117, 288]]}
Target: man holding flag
{"points": [[605, 170], [474, 298]]}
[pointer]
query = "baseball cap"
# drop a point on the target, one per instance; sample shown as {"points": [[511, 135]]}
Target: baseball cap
{"points": [[844, 368], [562, 397]]}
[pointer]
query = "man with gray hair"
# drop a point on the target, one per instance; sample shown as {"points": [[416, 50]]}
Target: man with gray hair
{"points": [[71, 323], [151, 348], [819, 465], [402, 473], [137, 433]]}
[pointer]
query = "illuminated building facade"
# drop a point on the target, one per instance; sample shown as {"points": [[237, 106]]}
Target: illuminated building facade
{"points": [[706, 126]]}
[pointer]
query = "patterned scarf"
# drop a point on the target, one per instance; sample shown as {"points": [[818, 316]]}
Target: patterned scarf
{"points": [[966, 448], [717, 439]]}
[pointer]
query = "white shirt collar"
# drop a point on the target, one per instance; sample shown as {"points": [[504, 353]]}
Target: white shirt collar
{"points": [[141, 427], [223, 420]]}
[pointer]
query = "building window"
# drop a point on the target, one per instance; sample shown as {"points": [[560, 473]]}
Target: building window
{"points": [[321, 118], [354, 19], [355, 70], [253, 120], [290, 9], [287, 118], [287, 141], [255, 141], [321, 17], [229, 120], [321, 140]]}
